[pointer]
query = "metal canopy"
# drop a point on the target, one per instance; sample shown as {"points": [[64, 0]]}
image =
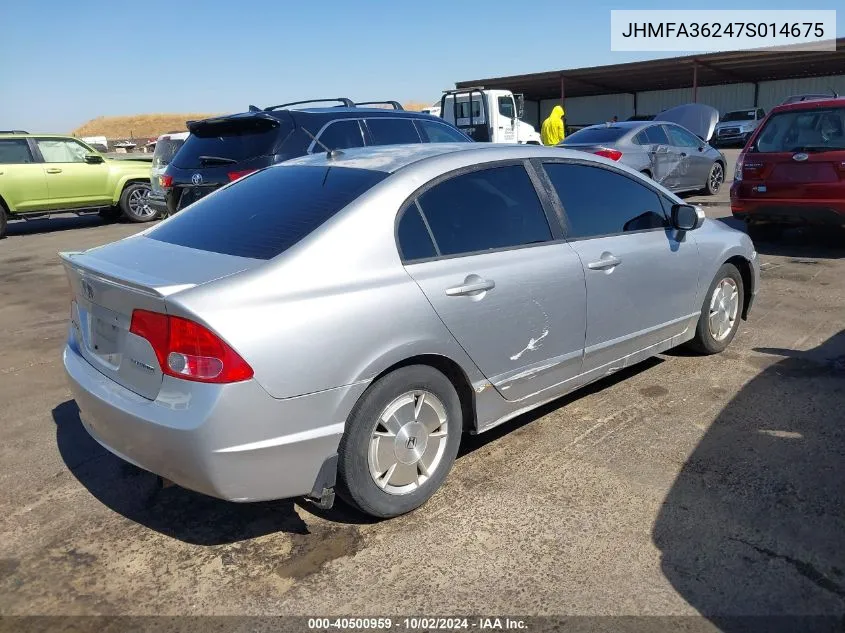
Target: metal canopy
{"points": [[677, 72]]}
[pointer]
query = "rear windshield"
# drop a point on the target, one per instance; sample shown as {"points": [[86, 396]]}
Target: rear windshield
{"points": [[739, 115], [266, 213], [816, 130], [235, 139], [165, 149], [596, 135]]}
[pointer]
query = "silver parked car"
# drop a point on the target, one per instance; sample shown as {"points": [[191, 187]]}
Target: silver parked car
{"points": [[672, 148], [340, 320]]}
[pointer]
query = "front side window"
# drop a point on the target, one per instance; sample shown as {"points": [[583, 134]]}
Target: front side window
{"points": [[14, 151], [62, 150], [434, 132], [483, 210], [339, 135], [389, 131], [598, 201], [506, 107]]}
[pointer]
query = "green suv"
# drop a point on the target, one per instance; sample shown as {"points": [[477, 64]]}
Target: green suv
{"points": [[45, 173]]}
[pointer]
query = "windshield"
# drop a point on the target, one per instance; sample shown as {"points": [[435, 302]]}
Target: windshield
{"points": [[803, 130], [601, 134], [165, 149], [739, 115]]}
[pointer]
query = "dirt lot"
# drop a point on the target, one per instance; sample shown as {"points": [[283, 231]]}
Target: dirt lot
{"points": [[686, 485]]}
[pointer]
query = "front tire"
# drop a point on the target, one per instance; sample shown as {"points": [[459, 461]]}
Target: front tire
{"points": [[400, 442], [720, 312], [133, 202], [715, 179]]}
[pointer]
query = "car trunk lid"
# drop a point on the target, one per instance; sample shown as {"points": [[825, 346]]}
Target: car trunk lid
{"points": [[788, 175], [110, 282]]}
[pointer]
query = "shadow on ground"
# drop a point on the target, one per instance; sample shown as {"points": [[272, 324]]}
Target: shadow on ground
{"points": [[173, 511], [755, 522], [64, 222], [806, 241]]}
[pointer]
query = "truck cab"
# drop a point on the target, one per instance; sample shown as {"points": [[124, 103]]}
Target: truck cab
{"points": [[489, 116]]}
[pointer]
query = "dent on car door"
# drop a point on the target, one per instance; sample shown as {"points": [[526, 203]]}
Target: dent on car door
{"points": [[641, 275], [694, 164], [480, 247], [664, 158]]}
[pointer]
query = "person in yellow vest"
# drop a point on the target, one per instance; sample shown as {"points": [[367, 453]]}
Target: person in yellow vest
{"points": [[552, 131]]}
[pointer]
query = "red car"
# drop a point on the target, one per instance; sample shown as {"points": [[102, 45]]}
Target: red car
{"points": [[792, 170]]}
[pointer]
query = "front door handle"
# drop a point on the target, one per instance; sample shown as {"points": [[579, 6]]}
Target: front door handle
{"points": [[471, 288], [607, 261], [54, 170]]}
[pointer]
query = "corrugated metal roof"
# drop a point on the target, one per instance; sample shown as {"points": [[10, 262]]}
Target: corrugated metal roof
{"points": [[677, 72]]}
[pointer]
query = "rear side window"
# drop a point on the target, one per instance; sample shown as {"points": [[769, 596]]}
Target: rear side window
{"points": [[596, 135], [434, 132], [340, 135], [656, 135], [14, 151], [813, 130], [266, 213], [483, 210], [389, 131], [165, 149], [599, 201], [237, 139], [414, 238]]}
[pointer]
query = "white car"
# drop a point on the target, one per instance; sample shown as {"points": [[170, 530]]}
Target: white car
{"points": [[166, 147]]}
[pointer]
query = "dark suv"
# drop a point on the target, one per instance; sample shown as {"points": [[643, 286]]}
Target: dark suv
{"points": [[222, 149]]}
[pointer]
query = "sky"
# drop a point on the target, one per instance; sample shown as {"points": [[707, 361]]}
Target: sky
{"points": [[69, 62]]}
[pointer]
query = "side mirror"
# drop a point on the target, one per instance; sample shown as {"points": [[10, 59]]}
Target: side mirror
{"points": [[686, 217], [93, 159], [520, 106]]}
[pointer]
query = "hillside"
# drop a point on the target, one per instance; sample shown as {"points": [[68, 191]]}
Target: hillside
{"points": [[136, 126], [151, 125]]}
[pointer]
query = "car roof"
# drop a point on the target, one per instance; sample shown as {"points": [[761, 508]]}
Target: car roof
{"points": [[391, 158], [30, 134], [810, 104]]}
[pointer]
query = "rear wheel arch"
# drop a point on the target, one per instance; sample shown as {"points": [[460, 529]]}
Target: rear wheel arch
{"points": [[123, 184], [453, 372], [744, 267]]}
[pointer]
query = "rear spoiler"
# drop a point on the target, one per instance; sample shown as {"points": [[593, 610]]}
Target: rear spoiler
{"points": [[87, 265], [234, 122]]}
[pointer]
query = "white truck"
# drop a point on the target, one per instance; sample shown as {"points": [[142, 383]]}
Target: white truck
{"points": [[491, 116]]}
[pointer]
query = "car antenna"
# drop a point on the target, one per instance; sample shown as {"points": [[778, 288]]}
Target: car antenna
{"points": [[330, 153]]}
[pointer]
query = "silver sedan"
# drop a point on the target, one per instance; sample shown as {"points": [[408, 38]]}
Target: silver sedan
{"points": [[340, 321], [662, 149]]}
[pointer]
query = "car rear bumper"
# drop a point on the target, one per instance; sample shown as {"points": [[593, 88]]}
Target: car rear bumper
{"points": [[234, 441], [789, 211], [158, 204]]}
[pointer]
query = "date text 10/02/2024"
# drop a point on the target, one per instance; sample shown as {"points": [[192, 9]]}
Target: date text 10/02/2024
{"points": [[418, 623]]}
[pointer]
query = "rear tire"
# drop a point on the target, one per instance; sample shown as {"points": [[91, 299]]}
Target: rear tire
{"points": [[133, 202], [721, 312], [400, 442], [3, 221], [715, 179]]}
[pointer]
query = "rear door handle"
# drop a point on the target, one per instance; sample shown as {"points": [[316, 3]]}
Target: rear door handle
{"points": [[605, 262], [467, 289], [54, 170]]}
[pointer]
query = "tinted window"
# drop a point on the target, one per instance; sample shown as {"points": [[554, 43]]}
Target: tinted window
{"points": [[165, 149], [239, 139], [739, 115], [62, 150], [493, 208], [761, 113], [602, 134], [600, 202], [682, 138], [656, 135], [340, 135], [268, 212], [506, 107], [414, 239], [433, 132], [393, 131], [14, 151]]}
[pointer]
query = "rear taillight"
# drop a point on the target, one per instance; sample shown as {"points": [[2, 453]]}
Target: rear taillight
{"points": [[188, 350], [747, 167], [234, 175], [165, 181], [612, 154], [738, 168]]}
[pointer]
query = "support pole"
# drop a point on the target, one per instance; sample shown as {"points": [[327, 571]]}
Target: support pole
{"points": [[695, 81]]}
